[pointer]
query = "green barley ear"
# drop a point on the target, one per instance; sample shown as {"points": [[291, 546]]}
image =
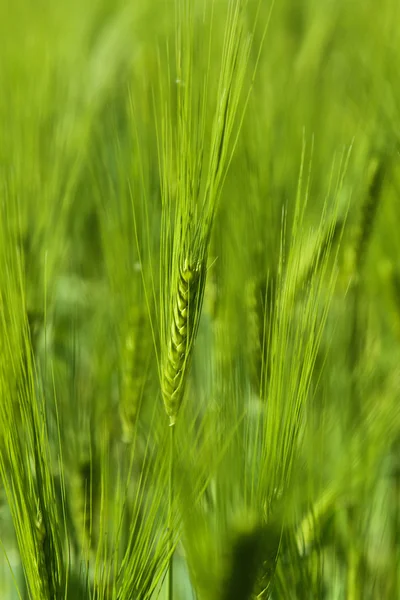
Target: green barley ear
{"points": [[377, 169], [134, 356], [193, 167], [376, 175], [80, 501], [260, 297], [253, 561], [185, 317]]}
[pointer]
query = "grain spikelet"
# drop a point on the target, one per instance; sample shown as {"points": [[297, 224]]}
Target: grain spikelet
{"points": [[189, 290]]}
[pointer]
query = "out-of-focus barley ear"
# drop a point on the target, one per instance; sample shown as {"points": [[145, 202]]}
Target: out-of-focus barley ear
{"points": [[260, 309], [324, 245], [133, 373], [49, 582], [40, 535], [184, 321], [376, 175], [211, 292], [81, 505], [254, 329], [253, 561], [319, 514]]}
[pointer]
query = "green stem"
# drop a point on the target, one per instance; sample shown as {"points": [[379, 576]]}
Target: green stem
{"points": [[170, 505]]}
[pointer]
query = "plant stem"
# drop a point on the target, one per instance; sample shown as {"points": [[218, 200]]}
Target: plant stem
{"points": [[170, 504]]}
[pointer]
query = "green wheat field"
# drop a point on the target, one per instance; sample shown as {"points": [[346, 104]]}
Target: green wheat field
{"points": [[199, 300]]}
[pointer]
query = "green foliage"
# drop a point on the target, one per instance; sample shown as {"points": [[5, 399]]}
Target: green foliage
{"points": [[199, 300]]}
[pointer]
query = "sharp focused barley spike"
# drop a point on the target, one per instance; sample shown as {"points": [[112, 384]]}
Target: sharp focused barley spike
{"points": [[189, 289]]}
